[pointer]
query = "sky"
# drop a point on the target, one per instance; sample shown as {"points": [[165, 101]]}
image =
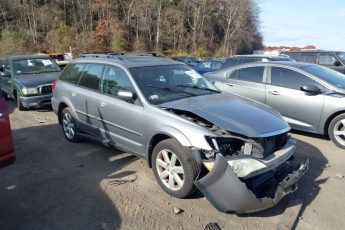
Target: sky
{"points": [[303, 22]]}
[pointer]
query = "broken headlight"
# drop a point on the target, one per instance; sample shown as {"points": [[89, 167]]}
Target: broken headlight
{"points": [[226, 145], [244, 167], [241, 167]]}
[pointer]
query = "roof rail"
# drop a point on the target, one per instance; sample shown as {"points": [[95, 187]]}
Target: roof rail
{"points": [[118, 55]]}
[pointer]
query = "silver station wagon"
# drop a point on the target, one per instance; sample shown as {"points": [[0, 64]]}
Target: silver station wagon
{"points": [[237, 152]]}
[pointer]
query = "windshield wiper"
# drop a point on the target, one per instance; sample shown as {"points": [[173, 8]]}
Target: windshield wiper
{"points": [[171, 90], [198, 87]]}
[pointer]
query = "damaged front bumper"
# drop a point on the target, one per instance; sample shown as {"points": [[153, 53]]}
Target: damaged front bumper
{"points": [[227, 192]]}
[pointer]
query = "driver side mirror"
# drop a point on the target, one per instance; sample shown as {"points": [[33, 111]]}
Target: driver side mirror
{"points": [[336, 63], [126, 96], [313, 89], [5, 74]]}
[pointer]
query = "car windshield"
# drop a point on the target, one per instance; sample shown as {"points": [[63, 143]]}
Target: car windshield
{"points": [[34, 65], [331, 76], [341, 55], [162, 84]]}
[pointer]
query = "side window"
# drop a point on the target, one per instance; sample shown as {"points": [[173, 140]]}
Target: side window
{"points": [[72, 73], [115, 80], [289, 78], [206, 65], [7, 66], [216, 65], [230, 62], [92, 76], [252, 74], [308, 57], [293, 55], [327, 59]]}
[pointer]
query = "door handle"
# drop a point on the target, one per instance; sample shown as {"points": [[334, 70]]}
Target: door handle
{"points": [[230, 84], [73, 94], [1, 115], [103, 104], [274, 92]]}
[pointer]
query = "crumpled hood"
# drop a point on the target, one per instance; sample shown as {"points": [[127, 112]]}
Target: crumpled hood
{"points": [[34, 80], [232, 113]]}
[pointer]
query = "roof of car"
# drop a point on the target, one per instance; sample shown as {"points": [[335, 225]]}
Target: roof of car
{"points": [[312, 51], [20, 57], [259, 56], [276, 63], [128, 61]]}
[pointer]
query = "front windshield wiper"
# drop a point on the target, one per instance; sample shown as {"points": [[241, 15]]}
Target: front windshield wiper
{"points": [[171, 90], [198, 87]]}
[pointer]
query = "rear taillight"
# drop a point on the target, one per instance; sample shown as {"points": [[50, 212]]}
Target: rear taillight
{"points": [[54, 84]]}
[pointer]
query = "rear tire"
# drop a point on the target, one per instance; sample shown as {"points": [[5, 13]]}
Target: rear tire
{"points": [[175, 168], [69, 128], [336, 131]]}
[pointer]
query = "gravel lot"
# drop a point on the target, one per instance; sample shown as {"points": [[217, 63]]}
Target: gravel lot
{"points": [[55, 184]]}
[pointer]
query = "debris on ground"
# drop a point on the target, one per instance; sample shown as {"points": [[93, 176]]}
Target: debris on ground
{"points": [[212, 226], [339, 176], [123, 180], [40, 120], [326, 166], [178, 210]]}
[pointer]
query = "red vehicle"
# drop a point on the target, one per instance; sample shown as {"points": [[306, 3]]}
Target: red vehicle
{"points": [[7, 155]]}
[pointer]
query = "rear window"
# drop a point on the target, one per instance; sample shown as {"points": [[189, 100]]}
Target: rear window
{"points": [[251, 74], [72, 73]]}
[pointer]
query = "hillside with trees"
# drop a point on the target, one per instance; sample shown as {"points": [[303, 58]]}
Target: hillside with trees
{"points": [[200, 27]]}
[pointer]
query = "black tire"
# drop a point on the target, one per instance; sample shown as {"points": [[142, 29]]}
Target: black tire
{"points": [[19, 103], [66, 128], [337, 125], [186, 159]]}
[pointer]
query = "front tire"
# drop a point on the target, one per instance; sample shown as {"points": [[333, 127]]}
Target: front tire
{"points": [[175, 168], [19, 103], [69, 128], [336, 131]]}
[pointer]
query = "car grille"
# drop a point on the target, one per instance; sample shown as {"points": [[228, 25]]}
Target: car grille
{"points": [[46, 89], [268, 145]]}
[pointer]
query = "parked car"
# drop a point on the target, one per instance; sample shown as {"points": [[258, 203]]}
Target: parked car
{"points": [[208, 66], [189, 60], [331, 59], [242, 59], [28, 79], [235, 151], [7, 155], [61, 59], [310, 97]]}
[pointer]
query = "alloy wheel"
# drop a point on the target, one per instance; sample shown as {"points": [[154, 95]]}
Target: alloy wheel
{"points": [[170, 170], [68, 125], [339, 131]]}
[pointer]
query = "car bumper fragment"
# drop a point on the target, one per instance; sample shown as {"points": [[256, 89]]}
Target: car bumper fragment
{"points": [[227, 192], [36, 101]]}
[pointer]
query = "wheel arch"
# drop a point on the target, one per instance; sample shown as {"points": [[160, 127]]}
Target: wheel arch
{"points": [[160, 136], [329, 120]]}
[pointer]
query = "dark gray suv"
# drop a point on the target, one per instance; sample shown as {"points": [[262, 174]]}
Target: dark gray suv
{"points": [[235, 151], [28, 79], [331, 59]]}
